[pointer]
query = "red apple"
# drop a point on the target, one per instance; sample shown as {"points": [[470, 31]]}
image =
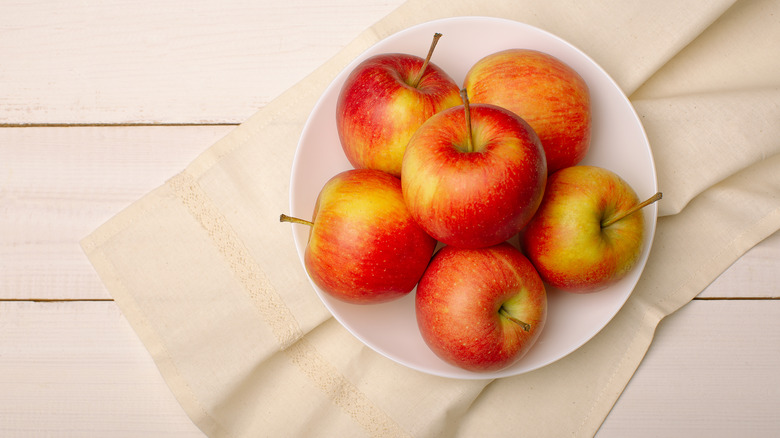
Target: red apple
{"points": [[589, 230], [547, 93], [364, 247], [480, 309], [383, 101], [473, 175]]}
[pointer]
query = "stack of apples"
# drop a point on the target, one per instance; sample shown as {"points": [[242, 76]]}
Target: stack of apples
{"points": [[466, 169]]}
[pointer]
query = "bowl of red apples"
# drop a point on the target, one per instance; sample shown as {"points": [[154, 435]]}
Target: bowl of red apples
{"points": [[473, 198]]}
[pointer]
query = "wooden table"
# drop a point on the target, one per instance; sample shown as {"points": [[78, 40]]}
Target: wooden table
{"points": [[100, 103]]}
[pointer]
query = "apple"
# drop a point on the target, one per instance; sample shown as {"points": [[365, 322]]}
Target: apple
{"points": [[473, 175], [480, 309], [550, 95], [384, 100], [364, 247], [589, 230]]}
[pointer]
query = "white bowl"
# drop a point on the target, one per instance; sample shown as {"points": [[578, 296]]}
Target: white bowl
{"points": [[618, 143]]}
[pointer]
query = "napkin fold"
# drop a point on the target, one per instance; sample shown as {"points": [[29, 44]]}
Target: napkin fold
{"points": [[213, 286]]}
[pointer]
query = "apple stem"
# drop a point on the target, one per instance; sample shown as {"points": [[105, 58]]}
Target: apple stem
{"points": [[295, 220], [466, 106], [420, 74], [523, 324], [635, 208]]}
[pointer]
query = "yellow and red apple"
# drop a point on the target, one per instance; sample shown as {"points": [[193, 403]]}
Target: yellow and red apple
{"points": [[364, 247], [480, 309], [589, 230], [473, 175], [382, 103], [550, 95]]}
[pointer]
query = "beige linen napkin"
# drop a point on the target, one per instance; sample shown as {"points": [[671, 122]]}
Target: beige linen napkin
{"points": [[212, 284]]}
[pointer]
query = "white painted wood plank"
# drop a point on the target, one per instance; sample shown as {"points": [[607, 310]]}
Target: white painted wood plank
{"points": [[59, 184], [710, 372], [200, 61], [77, 369]]}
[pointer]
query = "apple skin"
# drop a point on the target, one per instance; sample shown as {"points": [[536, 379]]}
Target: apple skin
{"points": [[378, 109], [480, 198], [547, 93], [364, 247], [458, 300], [565, 240]]}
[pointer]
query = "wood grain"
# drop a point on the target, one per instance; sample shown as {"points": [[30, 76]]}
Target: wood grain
{"points": [[710, 372], [77, 369], [59, 184], [201, 62]]}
